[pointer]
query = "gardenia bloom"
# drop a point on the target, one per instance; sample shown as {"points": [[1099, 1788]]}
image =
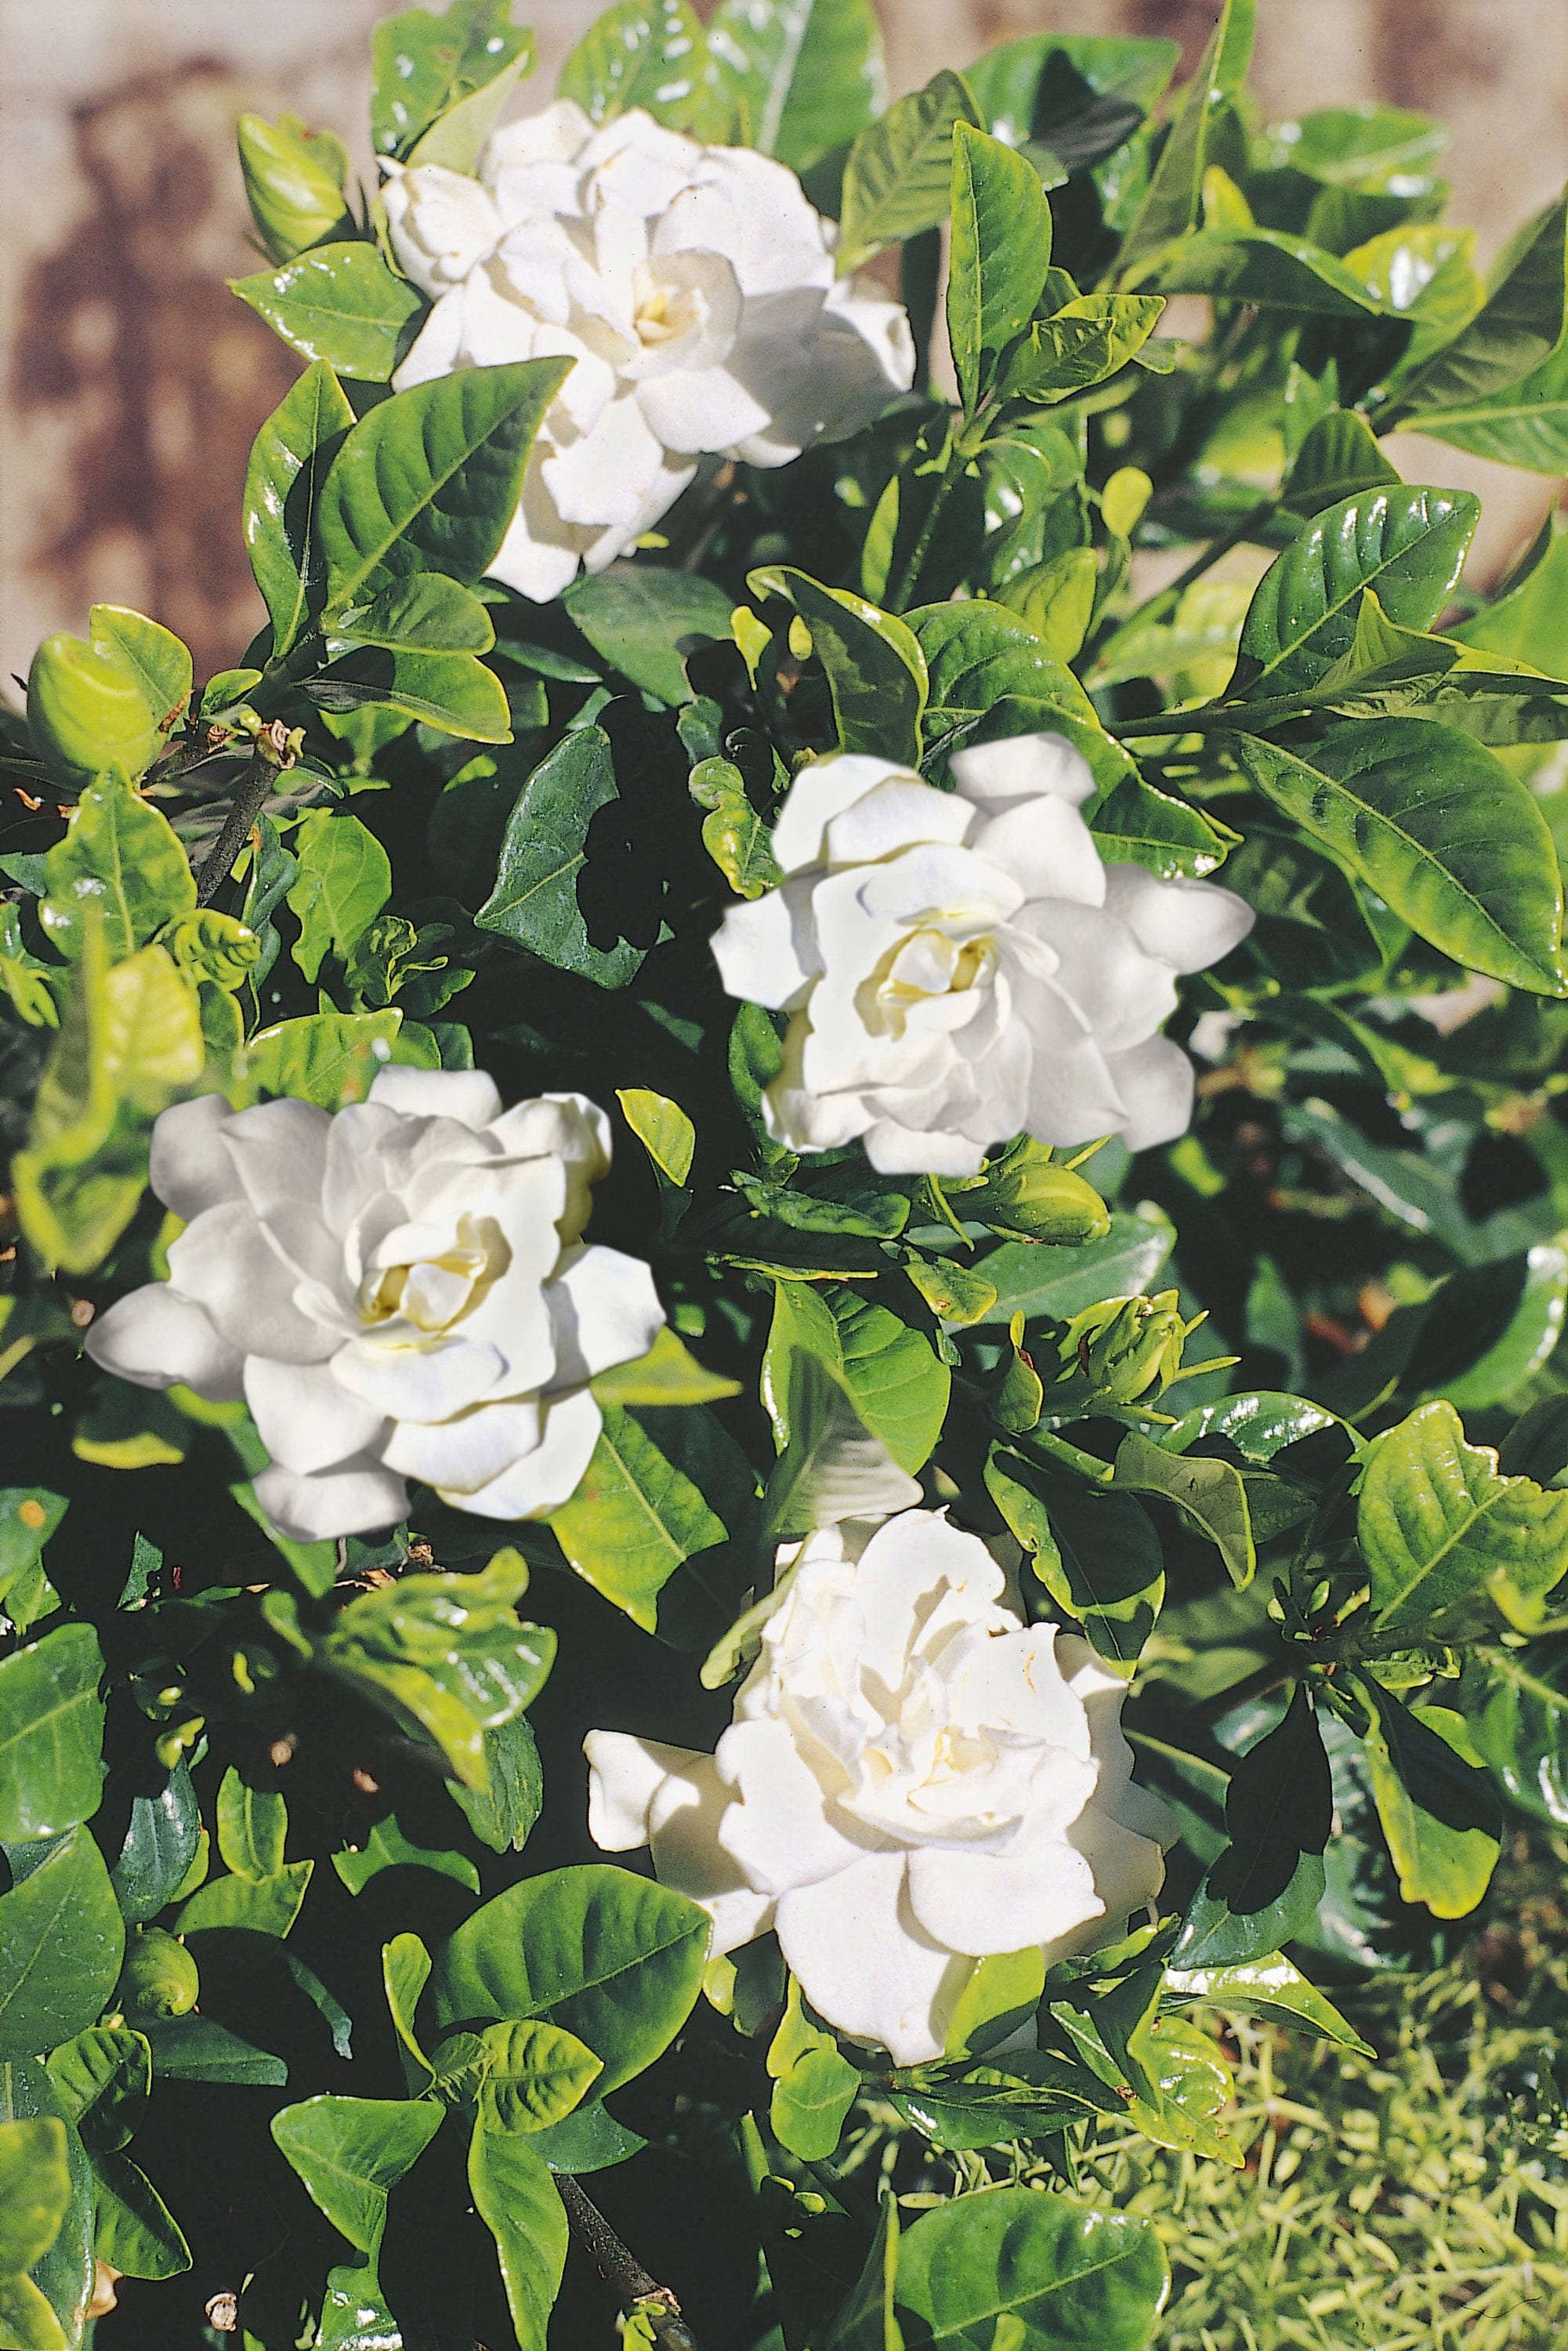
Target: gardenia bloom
{"points": [[962, 966], [692, 287], [913, 1779], [401, 1290]]}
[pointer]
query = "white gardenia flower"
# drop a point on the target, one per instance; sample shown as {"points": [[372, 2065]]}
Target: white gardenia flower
{"points": [[399, 1290], [692, 286], [962, 967], [913, 1779]]}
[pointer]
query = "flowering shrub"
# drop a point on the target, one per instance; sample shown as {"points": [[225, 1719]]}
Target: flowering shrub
{"points": [[837, 1068]]}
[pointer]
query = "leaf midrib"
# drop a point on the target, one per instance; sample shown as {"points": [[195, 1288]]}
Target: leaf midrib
{"points": [[1333, 611]]}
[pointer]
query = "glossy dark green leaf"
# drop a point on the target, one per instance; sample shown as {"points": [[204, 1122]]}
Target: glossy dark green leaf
{"points": [[1270, 1986], [350, 2152], [1169, 204], [978, 652], [430, 479], [61, 1943], [1000, 252], [536, 901], [340, 304], [614, 1958], [1523, 423], [876, 670], [634, 1518], [1436, 1805], [1440, 829], [1339, 459], [808, 73], [589, 2140], [1263, 1890], [1408, 544], [1097, 1555], [645, 618], [1072, 90], [289, 463], [51, 1734], [425, 611], [898, 179], [516, 2196], [1071, 2278], [1080, 345], [502, 1814], [1136, 824], [1519, 326], [426, 64], [647, 54], [1210, 1495], [445, 1655], [133, 2229], [1260, 1424]]}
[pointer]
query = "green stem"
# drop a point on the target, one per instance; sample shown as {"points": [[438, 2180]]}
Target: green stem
{"points": [[900, 590], [1234, 717]]}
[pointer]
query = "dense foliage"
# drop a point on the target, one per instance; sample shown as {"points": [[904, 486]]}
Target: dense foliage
{"points": [[316, 2005]]}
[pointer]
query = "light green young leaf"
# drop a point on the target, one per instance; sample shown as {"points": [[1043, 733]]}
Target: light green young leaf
{"points": [[516, 2198], [663, 1128], [329, 1058], [350, 2152], [253, 1823], [263, 1906], [534, 2075], [1272, 1988], [35, 2190], [344, 881], [1448, 1538], [1071, 2276], [1000, 252], [1437, 1806], [121, 858], [341, 304], [51, 1734]]}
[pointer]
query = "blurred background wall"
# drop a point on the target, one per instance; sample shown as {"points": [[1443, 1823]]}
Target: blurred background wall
{"points": [[132, 381]]}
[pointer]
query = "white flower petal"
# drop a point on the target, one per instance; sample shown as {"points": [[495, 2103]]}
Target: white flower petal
{"points": [[418, 1382], [683, 1815], [604, 476], [1155, 1079], [1122, 992], [895, 814], [1188, 924], [982, 1903], [188, 1166], [154, 1337], [605, 1310], [895, 1150], [624, 1774], [305, 1418], [775, 1829], [820, 791], [468, 1451], [356, 1499], [1047, 848], [997, 775], [441, 224], [540, 1481], [866, 1963], [469, 1096], [765, 948], [224, 1261]]}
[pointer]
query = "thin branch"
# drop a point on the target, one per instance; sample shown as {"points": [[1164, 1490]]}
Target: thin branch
{"points": [[251, 798], [618, 2266]]}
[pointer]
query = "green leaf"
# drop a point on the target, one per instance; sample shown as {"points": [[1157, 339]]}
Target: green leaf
{"points": [[155, 657], [645, 618], [1339, 459], [133, 2229], [340, 304], [35, 2190], [27, 2318], [327, 1057], [1520, 324], [199, 2049], [61, 1943], [294, 181], [252, 1825], [1259, 1422], [616, 1960], [1446, 1539], [1169, 207], [51, 1735], [1269, 1987], [977, 653], [1264, 1888], [641, 53], [344, 881], [534, 2075], [405, 1971], [831, 1466], [516, 2198], [663, 1129], [1097, 1555], [898, 179], [425, 65], [354, 2316], [264, 1905], [1525, 424], [289, 464], [812, 2101], [446, 1656], [502, 1814], [634, 1518], [1041, 87], [1211, 1497], [1040, 1283], [49, 2310], [808, 73], [1136, 825], [536, 901], [1518, 1717], [1000, 252], [429, 481], [425, 610], [120, 857], [893, 1377], [1071, 2278], [591, 2139], [450, 691], [1270, 270], [386, 1847], [350, 2152], [107, 2072], [1408, 544], [1440, 829], [667, 1375], [1434, 1799], [876, 668], [1087, 339], [1529, 623]]}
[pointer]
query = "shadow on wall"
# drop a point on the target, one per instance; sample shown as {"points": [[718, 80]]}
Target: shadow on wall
{"points": [[154, 378]]}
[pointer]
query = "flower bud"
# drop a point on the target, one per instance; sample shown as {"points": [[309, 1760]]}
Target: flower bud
{"points": [[293, 179], [212, 947], [159, 1978], [1137, 1345], [86, 711], [1027, 1194]]}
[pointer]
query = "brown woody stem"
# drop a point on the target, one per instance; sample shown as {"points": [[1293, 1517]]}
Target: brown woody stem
{"points": [[618, 2266]]}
